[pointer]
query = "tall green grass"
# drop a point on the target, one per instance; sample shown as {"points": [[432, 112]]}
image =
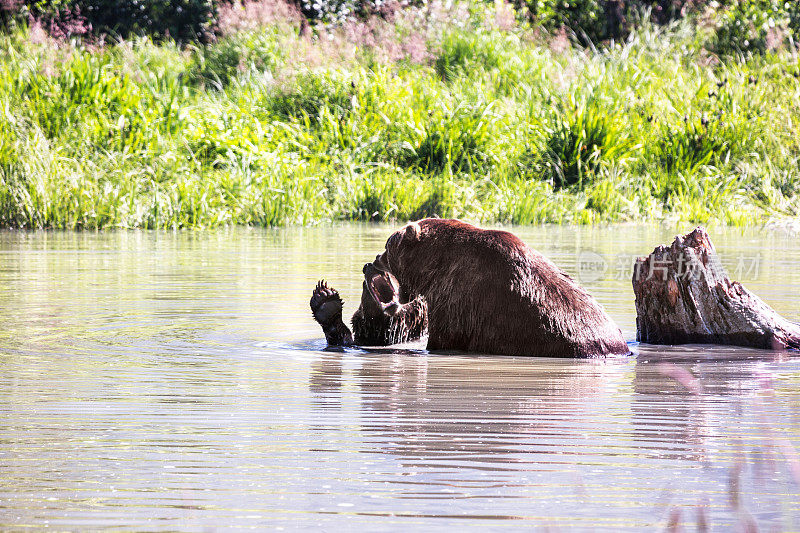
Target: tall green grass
{"points": [[267, 128]]}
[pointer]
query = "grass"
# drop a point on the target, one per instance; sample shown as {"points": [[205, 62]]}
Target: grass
{"points": [[266, 127]]}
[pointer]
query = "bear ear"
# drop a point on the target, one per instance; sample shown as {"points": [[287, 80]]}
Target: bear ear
{"points": [[409, 233], [412, 231]]}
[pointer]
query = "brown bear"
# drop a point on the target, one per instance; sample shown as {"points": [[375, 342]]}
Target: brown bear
{"points": [[381, 318], [488, 292]]}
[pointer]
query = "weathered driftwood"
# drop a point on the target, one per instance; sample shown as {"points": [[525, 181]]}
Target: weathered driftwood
{"points": [[684, 296]]}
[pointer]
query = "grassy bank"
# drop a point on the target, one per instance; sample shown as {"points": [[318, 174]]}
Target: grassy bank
{"points": [[485, 119]]}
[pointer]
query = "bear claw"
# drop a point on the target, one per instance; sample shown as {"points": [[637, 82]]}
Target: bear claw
{"points": [[326, 304]]}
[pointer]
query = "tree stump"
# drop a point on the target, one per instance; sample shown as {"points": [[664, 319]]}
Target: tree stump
{"points": [[684, 296]]}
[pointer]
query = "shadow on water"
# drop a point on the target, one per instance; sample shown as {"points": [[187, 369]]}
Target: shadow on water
{"points": [[319, 345]]}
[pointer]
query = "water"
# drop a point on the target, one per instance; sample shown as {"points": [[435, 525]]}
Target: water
{"points": [[176, 381]]}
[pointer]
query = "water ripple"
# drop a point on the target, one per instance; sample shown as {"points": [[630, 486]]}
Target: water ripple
{"points": [[176, 381]]}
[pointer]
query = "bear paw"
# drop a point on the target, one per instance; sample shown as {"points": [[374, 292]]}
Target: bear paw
{"points": [[326, 304]]}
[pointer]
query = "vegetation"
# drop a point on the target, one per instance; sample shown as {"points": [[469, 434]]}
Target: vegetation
{"points": [[406, 116], [182, 20]]}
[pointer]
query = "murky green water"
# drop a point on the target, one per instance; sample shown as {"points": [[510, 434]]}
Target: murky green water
{"points": [[176, 381]]}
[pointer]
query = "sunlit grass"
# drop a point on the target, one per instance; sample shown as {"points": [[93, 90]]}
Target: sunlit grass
{"points": [[261, 128]]}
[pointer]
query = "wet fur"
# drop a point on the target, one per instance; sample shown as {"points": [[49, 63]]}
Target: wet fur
{"points": [[372, 326], [381, 329], [488, 292]]}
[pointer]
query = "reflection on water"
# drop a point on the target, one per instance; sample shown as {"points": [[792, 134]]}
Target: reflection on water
{"points": [[177, 381]]}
